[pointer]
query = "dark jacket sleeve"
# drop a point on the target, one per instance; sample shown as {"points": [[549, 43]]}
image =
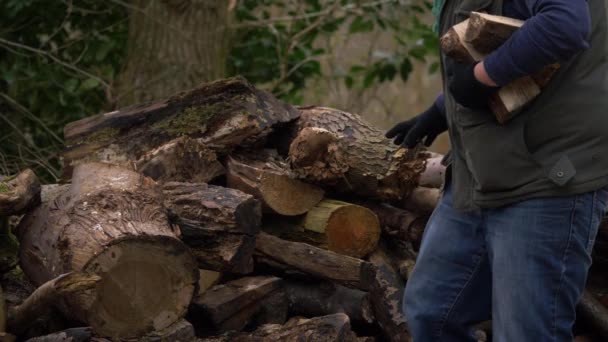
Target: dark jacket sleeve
{"points": [[555, 31]]}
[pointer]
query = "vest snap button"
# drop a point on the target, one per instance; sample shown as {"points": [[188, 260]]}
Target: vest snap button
{"points": [[560, 174]]}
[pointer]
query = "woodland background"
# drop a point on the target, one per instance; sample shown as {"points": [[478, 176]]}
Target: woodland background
{"points": [[61, 60]]}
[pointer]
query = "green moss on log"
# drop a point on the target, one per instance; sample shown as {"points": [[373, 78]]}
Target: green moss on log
{"points": [[190, 121], [102, 136], [4, 188]]}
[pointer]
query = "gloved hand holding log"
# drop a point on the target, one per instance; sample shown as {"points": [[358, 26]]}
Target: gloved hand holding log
{"points": [[471, 40]]}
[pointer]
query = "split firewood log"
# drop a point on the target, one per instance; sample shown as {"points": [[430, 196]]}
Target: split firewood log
{"points": [[267, 177], [312, 299], [337, 226], [386, 296], [303, 258], [219, 116], [219, 224], [19, 193], [111, 222], [181, 331], [331, 328], [344, 153], [232, 306], [471, 40], [487, 32], [207, 279]]}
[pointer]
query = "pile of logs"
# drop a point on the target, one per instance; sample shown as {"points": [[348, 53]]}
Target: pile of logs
{"points": [[219, 214]]}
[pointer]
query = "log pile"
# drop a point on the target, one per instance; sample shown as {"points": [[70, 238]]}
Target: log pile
{"points": [[220, 214]]}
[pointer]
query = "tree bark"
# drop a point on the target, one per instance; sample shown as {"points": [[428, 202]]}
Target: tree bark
{"points": [[346, 154], [111, 222], [387, 295], [48, 295], [173, 45], [231, 306], [216, 117], [331, 328], [401, 224], [218, 223], [319, 299], [269, 179], [304, 258], [19, 193], [83, 334], [486, 32]]}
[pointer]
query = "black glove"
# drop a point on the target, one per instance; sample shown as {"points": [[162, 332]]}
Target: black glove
{"points": [[428, 124], [466, 89]]}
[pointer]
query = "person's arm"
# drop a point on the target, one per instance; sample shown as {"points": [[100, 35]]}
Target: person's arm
{"points": [[557, 30]]}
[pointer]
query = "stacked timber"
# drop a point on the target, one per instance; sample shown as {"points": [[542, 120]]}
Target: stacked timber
{"points": [[219, 214]]}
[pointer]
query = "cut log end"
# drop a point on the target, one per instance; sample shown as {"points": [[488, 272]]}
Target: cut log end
{"points": [[160, 270], [287, 196], [349, 229]]}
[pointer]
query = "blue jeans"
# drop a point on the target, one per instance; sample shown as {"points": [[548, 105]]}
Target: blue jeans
{"points": [[524, 266]]}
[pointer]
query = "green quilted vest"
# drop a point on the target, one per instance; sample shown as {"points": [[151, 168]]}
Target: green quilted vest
{"points": [[557, 145]]}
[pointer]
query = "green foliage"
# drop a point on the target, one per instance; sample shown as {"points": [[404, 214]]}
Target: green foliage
{"points": [[284, 52], [59, 60], [38, 95]]}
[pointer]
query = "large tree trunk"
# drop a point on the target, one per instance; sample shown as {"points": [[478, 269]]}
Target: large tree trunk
{"points": [[173, 45], [341, 151], [213, 118], [111, 222]]}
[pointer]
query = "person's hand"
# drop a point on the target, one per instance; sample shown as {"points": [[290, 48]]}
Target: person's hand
{"points": [[467, 89], [427, 125]]}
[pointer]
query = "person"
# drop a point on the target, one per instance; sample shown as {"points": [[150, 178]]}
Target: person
{"points": [[511, 237]]}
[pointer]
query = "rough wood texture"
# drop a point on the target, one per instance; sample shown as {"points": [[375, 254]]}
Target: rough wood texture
{"points": [[19, 193], [486, 32], [83, 334], [267, 177], [422, 200], [312, 299], [512, 97], [401, 224], [386, 295], [231, 306], [301, 257], [112, 222], [181, 160], [218, 223], [594, 313], [331, 328], [47, 295], [346, 154], [219, 116], [454, 45]]}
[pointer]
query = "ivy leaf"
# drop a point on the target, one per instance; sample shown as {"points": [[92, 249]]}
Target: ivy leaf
{"points": [[361, 25], [89, 84]]}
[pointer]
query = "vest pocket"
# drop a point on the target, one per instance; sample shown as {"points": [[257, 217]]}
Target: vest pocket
{"points": [[497, 155]]}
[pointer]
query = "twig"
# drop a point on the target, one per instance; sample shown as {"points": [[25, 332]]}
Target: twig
{"points": [[55, 59], [21, 108]]}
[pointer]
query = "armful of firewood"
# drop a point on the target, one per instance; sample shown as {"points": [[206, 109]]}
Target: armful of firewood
{"points": [[471, 40]]}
